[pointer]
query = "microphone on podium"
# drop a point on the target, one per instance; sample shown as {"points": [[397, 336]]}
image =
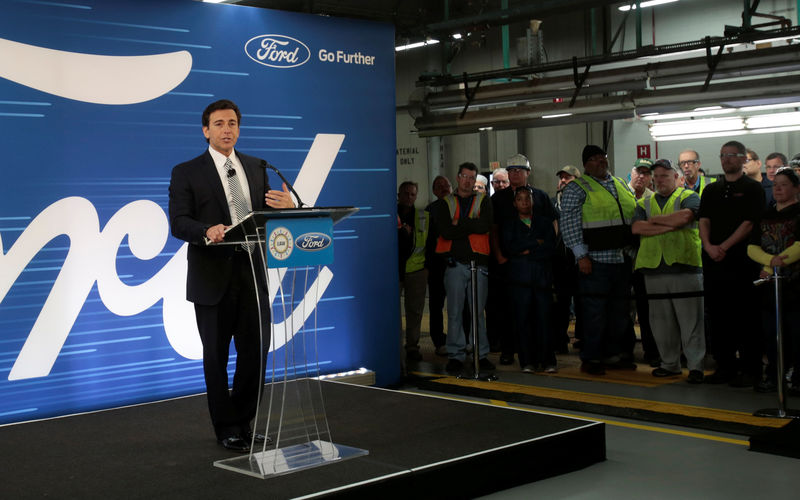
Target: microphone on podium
{"points": [[265, 164]]}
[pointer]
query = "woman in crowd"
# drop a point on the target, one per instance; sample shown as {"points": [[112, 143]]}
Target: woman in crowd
{"points": [[776, 244]]}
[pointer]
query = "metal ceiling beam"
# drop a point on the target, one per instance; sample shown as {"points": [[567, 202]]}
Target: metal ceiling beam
{"points": [[530, 10], [765, 61], [652, 50], [605, 108]]}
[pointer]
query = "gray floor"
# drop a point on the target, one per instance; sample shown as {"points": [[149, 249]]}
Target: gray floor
{"points": [[652, 461]]}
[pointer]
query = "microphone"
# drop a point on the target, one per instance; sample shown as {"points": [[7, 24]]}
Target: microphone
{"points": [[265, 164], [231, 172]]}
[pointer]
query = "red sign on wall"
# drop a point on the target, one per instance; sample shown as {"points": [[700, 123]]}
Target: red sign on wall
{"points": [[643, 151]]}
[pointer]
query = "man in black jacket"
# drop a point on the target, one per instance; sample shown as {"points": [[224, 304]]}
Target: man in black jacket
{"points": [[207, 195]]}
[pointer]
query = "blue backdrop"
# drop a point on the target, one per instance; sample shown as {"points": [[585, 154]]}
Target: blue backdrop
{"points": [[98, 101]]}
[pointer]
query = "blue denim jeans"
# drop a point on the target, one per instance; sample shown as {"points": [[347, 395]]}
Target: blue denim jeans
{"points": [[605, 300], [458, 284]]}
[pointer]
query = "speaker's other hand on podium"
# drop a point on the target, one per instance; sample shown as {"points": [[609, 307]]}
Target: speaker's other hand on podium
{"points": [[215, 234], [279, 199]]}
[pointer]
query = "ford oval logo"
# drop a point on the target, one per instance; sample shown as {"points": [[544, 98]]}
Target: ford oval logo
{"points": [[277, 51], [311, 242]]}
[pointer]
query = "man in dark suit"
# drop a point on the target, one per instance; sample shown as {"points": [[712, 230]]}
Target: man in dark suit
{"points": [[207, 195]]}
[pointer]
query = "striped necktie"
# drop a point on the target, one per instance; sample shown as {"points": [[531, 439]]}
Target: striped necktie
{"points": [[237, 195]]}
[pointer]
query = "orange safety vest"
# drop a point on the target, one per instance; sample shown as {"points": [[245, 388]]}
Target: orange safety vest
{"points": [[479, 243]]}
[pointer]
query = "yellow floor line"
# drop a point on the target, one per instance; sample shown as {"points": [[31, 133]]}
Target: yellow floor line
{"points": [[662, 430], [618, 401]]}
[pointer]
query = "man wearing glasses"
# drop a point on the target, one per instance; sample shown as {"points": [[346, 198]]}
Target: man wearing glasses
{"points": [[689, 162], [728, 211], [752, 169], [463, 222], [499, 179]]}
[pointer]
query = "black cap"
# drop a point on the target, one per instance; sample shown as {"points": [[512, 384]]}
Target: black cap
{"points": [[590, 151]]}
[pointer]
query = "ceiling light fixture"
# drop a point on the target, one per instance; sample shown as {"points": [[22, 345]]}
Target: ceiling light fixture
{"points": [[697, 126], [650, 3], [429, 41], [688, 114], [556, 116]]}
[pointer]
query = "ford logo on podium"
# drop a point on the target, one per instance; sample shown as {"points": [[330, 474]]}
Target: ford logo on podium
{"points": [[295, 242], [313, 242]]}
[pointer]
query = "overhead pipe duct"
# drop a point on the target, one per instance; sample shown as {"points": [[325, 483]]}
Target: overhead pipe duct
{"points": [[764, 62], [605, 108], [648, 51]]}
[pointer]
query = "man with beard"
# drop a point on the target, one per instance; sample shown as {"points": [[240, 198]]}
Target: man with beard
{"points": [[728, 211]]}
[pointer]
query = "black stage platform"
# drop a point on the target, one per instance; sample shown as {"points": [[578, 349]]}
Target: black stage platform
{"points": [[419, 446]]}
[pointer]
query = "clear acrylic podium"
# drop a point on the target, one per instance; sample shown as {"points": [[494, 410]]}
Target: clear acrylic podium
{"points": [[291, 409]]}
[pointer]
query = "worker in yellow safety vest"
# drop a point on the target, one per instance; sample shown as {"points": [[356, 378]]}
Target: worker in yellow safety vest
{"points": [[669, 258]]}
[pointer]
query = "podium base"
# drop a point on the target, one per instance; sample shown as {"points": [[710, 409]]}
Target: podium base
{"points": [[776, 413], [269, 463]]}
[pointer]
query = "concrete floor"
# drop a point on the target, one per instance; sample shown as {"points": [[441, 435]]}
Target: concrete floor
{"points": [[653, 461]]}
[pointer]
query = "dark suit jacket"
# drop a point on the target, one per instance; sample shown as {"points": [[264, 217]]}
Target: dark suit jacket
{"points": [[197, 202]]}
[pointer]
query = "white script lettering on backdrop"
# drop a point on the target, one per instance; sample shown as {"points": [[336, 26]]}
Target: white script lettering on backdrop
{"points": [[92, 257]]}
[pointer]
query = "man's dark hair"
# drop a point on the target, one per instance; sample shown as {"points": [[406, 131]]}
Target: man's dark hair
{"points": [[736, 144], [468, 166], [790, 174], [753, 154], [218, 105], [433, 184], [407, 183], [780, 156]]}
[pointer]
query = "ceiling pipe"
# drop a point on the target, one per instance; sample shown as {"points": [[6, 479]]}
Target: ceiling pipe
{"points": [[618, 57], [761, 62], [604, 108]]}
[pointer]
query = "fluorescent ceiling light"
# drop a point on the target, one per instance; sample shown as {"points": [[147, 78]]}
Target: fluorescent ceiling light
{"points": [[430, 41], [774, 120], [697, 126], [689, 114], [707, 108], [557, 116], [765, 107], [683, 137], [650, 3], [776, 129], [456, 36]]}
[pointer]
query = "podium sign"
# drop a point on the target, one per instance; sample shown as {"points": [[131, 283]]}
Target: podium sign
{"points": [[299, 242]]}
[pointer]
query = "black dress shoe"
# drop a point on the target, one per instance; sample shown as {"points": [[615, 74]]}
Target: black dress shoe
{"points": [[695, 377], [235, 443], [663, 372], [259, 438]]}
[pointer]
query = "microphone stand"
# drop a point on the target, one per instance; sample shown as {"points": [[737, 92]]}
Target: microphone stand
{"points": [[300, 203]]}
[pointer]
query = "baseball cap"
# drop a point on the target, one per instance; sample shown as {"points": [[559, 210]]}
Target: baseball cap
{"points": [[643, 163], [591, 150], [569, 169], [662, 162]]}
